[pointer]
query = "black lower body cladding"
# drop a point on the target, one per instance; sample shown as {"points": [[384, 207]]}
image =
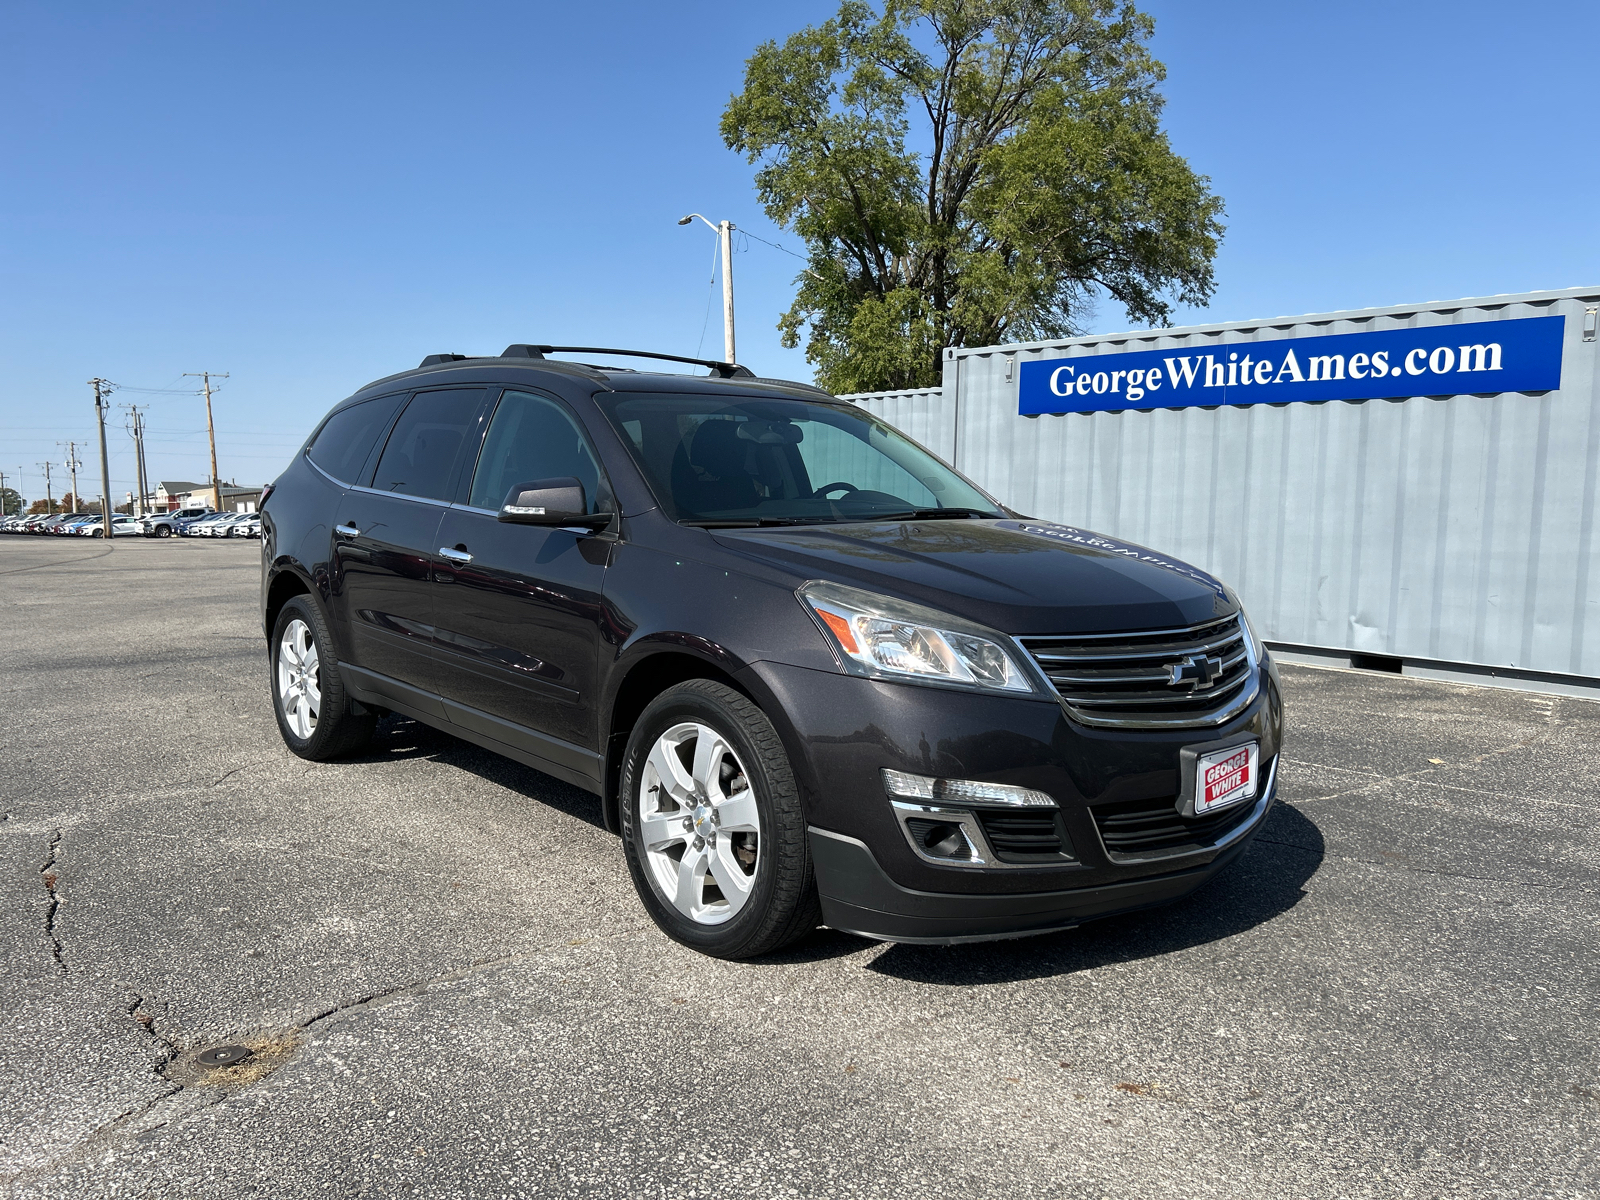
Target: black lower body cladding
{"points": [[843, 731]]}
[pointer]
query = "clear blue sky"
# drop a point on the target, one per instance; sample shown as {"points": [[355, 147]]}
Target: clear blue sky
{"points": [[312, 196]]}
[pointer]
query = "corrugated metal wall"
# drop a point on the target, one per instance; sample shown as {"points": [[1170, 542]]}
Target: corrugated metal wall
{"points": [[1456, 528], [919, 413]]}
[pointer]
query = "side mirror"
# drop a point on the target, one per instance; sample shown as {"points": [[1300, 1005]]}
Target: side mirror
{"points": [[550, 502]]}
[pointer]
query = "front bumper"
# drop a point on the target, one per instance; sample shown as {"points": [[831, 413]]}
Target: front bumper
{"points": [[842, 731], [859, 897]]}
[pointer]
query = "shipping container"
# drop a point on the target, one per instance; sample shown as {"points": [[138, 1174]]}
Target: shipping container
{"points": [[1407, 486]]}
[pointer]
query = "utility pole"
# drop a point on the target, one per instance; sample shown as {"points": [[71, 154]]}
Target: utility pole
{"points": [[137, 430], [102, 389], [211, 432], [725, 233], [49, 496], [3, 512], [72, 464]]}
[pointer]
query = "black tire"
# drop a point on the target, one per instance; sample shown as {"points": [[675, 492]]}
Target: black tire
{"points": [[164, 531], [782, 906], [341, 726]]}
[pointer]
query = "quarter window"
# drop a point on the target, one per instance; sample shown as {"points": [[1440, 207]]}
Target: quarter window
{"points": [[346, 438], [422, 453], [533, 438]]}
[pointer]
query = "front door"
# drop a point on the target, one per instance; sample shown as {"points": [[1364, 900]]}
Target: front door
{"points": [[517, 607], [387, 534]]}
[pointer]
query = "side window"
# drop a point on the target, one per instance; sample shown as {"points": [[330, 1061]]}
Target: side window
{"points": [[532, 438], [345, 439], [421, 455]]}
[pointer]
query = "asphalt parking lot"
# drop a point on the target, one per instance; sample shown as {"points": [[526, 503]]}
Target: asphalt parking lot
{"points": [[452, 990]]}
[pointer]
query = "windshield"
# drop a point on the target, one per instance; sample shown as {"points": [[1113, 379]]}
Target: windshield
{"points": [[747, 460]]}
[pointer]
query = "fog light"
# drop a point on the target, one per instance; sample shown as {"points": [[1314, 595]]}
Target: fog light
{"points": [[963, 791], [940, 838]]}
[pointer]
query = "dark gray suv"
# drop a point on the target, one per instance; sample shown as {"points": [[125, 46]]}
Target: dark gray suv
{"points": [[811, 673]]}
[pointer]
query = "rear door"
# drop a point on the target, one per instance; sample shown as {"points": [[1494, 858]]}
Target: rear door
{"points": [[517, 607], [385, 538]]}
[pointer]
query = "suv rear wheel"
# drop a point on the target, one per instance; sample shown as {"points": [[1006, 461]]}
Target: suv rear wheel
{"points": [[316, 718], [712, 825]]}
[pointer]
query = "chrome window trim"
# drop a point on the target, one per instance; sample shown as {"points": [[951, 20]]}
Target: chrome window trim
{"points": [[331, 479], [399, 496]]}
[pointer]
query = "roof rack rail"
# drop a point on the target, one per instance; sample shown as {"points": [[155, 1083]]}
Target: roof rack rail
{"points": [[433, 360], [723, 370]]}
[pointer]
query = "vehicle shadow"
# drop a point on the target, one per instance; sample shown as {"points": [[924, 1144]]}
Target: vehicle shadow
{"points": [[399, 738], [1267, 881]]}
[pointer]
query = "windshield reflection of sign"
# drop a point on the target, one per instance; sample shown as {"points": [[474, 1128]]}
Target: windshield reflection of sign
{"points": [[1477, 358]]}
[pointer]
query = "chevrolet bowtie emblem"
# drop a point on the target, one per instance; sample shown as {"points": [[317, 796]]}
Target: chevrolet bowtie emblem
{"points": [[1198, 671]]}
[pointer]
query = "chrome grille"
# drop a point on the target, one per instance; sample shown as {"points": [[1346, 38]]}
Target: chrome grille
{"points": [[1147, 828], [1156, 679]]}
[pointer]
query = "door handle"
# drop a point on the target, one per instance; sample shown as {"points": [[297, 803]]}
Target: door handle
{"points": [[454, 555], [347, 531]]}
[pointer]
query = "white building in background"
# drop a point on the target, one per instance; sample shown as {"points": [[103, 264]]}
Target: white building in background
{"points": [[1410, 488]]}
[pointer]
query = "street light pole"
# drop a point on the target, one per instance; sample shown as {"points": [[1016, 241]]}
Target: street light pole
{"points": [[724, 230]]}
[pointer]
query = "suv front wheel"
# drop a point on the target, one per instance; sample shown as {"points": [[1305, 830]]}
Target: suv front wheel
{"points": [[712, 824]]}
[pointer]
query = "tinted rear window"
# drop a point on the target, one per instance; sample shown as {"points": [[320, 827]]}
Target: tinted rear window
{"points": [[346, 438], [421, 455]]}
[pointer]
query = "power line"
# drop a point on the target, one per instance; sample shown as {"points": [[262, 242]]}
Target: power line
{"points": [[774, 245], [710, 292]]}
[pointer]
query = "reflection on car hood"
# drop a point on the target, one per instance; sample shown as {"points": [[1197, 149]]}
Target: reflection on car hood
{"points": [[1018, 576]]}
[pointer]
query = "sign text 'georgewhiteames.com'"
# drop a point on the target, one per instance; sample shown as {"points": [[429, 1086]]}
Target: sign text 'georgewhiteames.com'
{"points": [[1516, 355]]}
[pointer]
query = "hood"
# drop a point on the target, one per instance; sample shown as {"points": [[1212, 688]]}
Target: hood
{"points": [[1016, 576]]}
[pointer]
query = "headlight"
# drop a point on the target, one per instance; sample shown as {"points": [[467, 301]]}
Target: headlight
{"points": [[890, 639], [1258, 652]]}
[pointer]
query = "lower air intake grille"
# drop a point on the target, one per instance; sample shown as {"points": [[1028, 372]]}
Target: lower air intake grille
{"points": [[1152, 679], [1024, 836], [1141, 828]]}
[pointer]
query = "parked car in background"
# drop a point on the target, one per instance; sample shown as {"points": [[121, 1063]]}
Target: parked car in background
{"points": [[79, 523], [204, 526], [168, 524], [225, 527], [250, 527], [121, 526]]}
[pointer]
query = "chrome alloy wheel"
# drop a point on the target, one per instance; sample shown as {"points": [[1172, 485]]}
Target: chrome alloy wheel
{"points": [[299, 680], [698, 824]]}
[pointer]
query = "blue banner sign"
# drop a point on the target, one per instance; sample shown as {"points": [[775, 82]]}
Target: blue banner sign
{"points": [[1516, 355]]}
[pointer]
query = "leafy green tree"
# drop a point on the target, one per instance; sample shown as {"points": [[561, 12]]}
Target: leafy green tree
{"points": [[10, 502], [968, 172]]}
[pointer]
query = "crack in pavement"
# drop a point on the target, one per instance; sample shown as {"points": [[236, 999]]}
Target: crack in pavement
{"points": [[138, 1010], [47, 874], [406, 989], [64, 562]]}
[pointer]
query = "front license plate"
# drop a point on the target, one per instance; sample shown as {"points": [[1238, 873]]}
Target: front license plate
{"points": [[1226, 777]]}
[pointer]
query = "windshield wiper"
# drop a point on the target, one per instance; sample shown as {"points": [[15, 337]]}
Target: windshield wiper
{"points": [[932, 514], [752, 522]]}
